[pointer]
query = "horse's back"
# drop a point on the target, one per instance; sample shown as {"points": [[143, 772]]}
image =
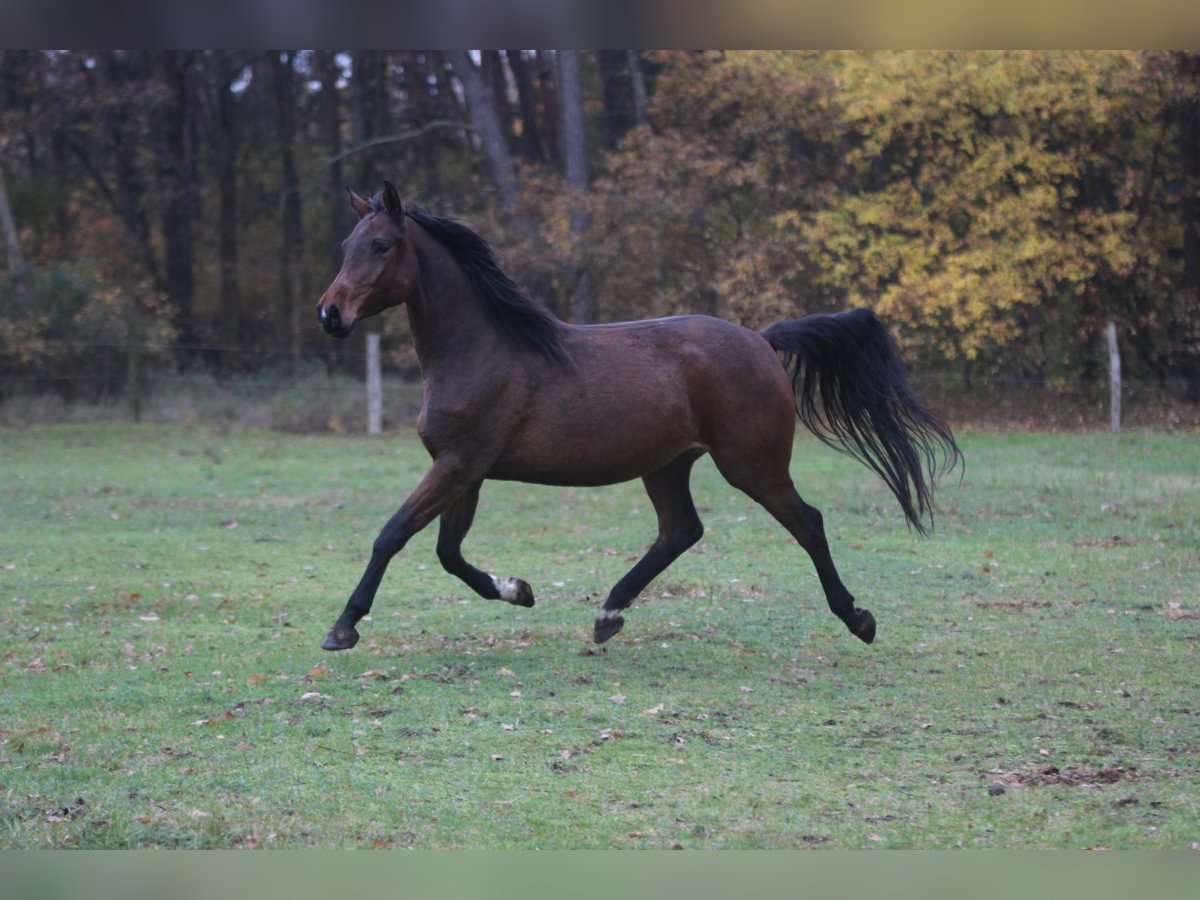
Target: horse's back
{"points": [[682, 360], [636, 395]]}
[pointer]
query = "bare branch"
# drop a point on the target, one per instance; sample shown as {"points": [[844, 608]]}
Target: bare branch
{"points": [[398, 138]]}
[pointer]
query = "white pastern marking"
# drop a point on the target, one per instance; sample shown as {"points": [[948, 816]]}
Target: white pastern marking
{"points": [[509, 588], [606, 614]]}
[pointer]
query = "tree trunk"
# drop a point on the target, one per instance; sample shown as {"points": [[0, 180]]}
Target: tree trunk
{"points": [[178, 200], [531, 133], [491, 136], [337, 216], [331, 134], [423, 106], [12, 243], [547, 77], [638, 85], [369, 96], [574, 151], [617, 90], [118, 70], [225, 151], [494, 75], [1188, 306], [293, 280], [1189, 199]]}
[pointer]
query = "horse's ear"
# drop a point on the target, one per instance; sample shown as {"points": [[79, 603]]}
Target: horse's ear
{"points": [[391, 202], [361, 207]]}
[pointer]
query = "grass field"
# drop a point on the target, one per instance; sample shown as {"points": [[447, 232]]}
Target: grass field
{"points": [[164, 590]]}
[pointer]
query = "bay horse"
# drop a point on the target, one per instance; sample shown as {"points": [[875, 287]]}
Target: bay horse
{"points": [[513, 393]]}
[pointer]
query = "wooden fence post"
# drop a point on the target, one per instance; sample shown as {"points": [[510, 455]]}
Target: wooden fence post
{"points": [[374, 387], [1114, 368]]}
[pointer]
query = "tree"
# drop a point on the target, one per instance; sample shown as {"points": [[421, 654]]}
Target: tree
{"points": [[12, 243], [700, 213], [997, 207], [485, 119], [531, 131], [1177, 73], [987, 203], [575, 166], [294, 287], [177, 183], [223, 149]]}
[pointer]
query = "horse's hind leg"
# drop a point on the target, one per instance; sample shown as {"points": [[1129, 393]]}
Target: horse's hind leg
{"points": [[679, 527], [807, 527], [455, 523], [778, 496]]}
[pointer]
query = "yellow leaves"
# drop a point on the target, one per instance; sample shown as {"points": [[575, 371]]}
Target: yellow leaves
{"points": [[970, 196]]}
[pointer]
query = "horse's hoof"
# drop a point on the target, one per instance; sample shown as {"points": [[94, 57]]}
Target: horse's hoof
{"points": [[516, 591], [607, 625], [340, 639], [864, 630]]}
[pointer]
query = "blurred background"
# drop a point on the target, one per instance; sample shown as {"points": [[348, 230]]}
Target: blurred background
{"points": [[170, 219]]}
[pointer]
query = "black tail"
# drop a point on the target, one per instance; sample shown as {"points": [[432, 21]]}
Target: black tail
{"points": [[851, 393]]}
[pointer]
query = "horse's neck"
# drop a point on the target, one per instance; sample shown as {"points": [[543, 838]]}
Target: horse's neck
{"points": [[450, 327]]}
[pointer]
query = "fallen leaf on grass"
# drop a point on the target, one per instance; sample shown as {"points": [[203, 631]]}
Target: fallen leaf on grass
{"points": [[65, 813], [228, 714], [655, 710]]}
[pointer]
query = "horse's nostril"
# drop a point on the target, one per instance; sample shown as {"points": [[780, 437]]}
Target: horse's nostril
{"points": [[330, 316]]}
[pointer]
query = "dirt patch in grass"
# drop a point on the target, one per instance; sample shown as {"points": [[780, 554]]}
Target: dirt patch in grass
{"points": [[1107, 543], [1013, 604], [1072, 776]]}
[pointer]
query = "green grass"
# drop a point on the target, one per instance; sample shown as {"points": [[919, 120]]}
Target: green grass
{"points": [[164, 590]]}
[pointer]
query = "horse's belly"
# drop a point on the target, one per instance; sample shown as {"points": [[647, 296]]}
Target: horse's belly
{"points": [[589, 451]]}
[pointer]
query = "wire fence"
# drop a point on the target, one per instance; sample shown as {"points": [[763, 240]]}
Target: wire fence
{"points": [[309, 390]]}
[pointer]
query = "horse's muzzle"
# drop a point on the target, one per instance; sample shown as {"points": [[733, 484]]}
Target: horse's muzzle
{"points": [[330, 318]]}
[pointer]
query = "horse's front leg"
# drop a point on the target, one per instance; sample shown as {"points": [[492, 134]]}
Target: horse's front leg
{"points": [[456, 522], [442, 485]]}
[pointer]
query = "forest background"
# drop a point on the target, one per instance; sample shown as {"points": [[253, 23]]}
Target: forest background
{"points": [[177, 214]]}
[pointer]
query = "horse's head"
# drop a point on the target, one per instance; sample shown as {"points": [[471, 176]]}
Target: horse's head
{"points": [[379, 266]]}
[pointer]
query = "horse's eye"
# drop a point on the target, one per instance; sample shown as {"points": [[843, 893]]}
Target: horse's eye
{"points": [[380, 247]]}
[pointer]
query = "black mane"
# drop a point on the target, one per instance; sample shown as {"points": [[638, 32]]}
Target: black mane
{"points": [[521, 320]]}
